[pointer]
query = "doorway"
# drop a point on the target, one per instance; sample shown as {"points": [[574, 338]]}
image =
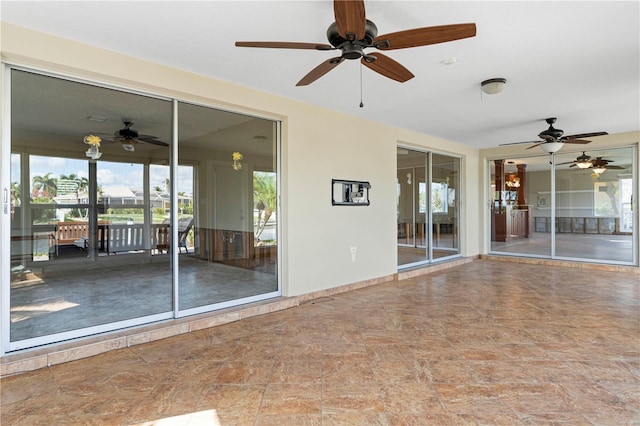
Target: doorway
{"points": [[574, 205], [117, 222], [427, 209]]}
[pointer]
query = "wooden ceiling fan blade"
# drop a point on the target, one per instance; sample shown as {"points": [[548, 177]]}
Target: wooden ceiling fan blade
{"points": [[284, 45], [519, 143], [586, 135], [425, 36], [320, 70], [538, 144], [153, 141], [350, 18], [388, 67], [577, 141], [613, 167]]}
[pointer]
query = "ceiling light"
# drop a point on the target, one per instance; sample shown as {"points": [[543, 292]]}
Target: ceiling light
{"points": [[599, 170], [493, 85], [513, 181], [129, 145], [584, 164], [97, 118], [551, 147]]}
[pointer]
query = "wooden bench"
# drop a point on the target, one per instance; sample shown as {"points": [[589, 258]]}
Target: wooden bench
{"points": [[67, 233], [112, 237]]}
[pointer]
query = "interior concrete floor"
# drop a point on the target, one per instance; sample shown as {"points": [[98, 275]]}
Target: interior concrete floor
{"points": [[603, 247], [487, 342], [71, 296]]}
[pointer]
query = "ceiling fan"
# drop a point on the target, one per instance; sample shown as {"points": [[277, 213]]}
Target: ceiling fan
{"points": [[553, 139], [129, 137], [352, 33], [599, 165]]}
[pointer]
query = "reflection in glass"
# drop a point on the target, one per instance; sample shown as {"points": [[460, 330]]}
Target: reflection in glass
{"points": [[592, 207], [94, 232], [444, 209], [81, 252], [228, 237], [427, 212], [579, 209], [520, 205]]}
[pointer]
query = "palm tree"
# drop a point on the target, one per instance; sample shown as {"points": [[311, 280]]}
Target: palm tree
{"points": [[264, 195], [83, 187], [44, 186], [16, 194]]}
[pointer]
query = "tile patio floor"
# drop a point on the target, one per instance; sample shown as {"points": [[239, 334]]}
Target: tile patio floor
{"points": [[487, 342]]}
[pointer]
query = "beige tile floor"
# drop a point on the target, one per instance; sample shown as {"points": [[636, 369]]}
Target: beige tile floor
{"points": [[487, 342]]}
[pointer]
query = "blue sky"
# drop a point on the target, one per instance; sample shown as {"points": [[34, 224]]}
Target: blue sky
{"points": [[109, 173]]}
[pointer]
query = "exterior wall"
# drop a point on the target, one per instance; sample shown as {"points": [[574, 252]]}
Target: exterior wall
{"points": [[317, 145]]}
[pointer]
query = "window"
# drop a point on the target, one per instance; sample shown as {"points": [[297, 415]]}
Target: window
{"points": [[605, 199], [439, 194]]}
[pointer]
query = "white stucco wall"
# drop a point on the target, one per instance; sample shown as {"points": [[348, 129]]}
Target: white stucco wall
{"points": [[317, 145]]}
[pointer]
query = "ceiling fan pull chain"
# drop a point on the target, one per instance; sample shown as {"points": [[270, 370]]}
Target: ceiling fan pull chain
{"points": [[361, 104]]}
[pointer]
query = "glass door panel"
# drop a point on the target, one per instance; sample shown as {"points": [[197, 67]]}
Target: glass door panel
{"points": [[412, 208], [593, 193], [521, 215], [427, 210], [228, 169], [444, 207], [72, 272]]}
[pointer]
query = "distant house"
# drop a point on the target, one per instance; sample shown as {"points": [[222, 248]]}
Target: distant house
{"points": [[157, 199], [117, 195], [162, 199], [185, 201]]}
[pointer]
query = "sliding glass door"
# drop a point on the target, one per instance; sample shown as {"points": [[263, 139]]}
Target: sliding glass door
{"points": [[229, 238], [115, 223], [593, 206], [444, 193], [81, 254], [520, 206], [427, 210], [572, 205]]}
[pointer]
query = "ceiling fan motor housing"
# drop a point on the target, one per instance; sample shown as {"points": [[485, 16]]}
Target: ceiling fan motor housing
{"points": [[551, 132], [352, 49], [127, 133]]}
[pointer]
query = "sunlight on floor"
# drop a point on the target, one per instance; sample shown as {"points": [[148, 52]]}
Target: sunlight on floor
{"points": [[32, 310], [207, 417]]}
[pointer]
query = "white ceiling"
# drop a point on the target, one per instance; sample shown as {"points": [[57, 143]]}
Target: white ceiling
{"points": [[578, 61]]}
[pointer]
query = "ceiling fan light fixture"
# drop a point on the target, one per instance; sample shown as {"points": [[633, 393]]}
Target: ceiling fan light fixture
{"points": [[551, 147], [128, 145], [584, 164], [493, 86], [599, 170]]}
